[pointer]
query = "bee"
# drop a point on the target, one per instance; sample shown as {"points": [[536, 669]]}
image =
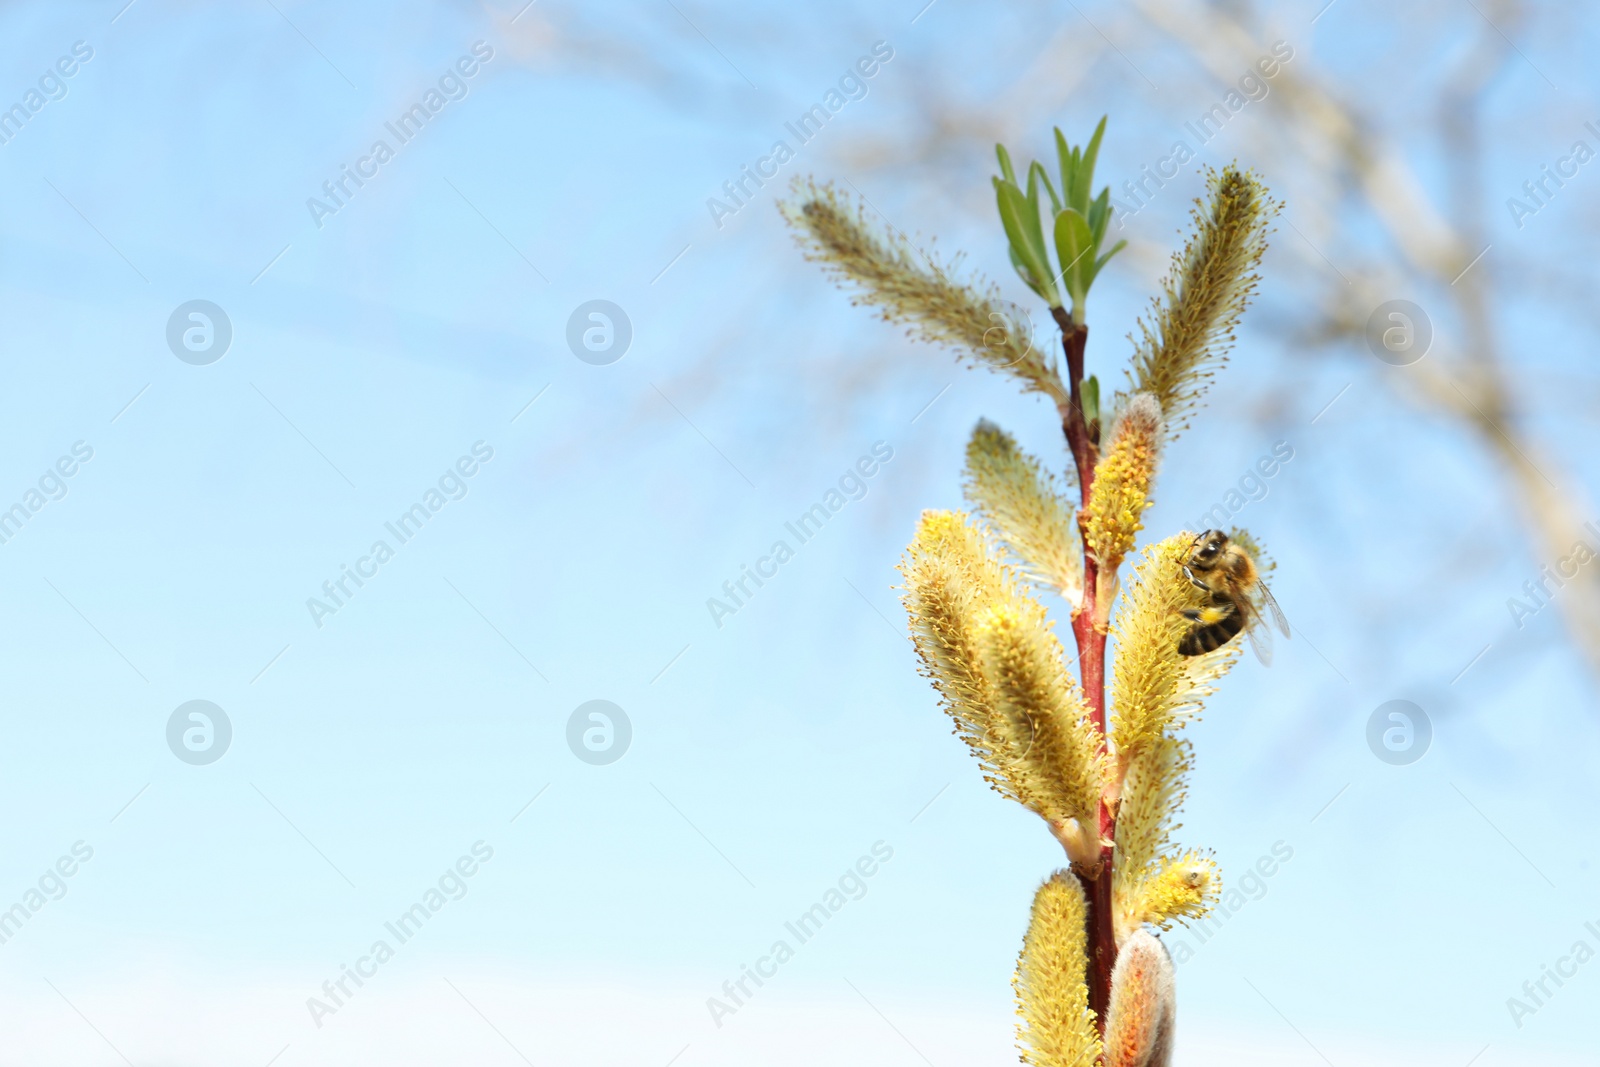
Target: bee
{"points": [[1238, 598]]}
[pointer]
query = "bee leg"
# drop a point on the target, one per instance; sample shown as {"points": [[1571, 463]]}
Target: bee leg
{"points": [[1198, 584], [1191, 614]]}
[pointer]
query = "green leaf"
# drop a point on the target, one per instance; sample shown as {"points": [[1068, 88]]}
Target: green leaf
{"points": [[1100, 214], [1005, 164], [1090, 391], [1064, 158], [1072, 194], [1074, 243], [1037, 169], [1027, 241], [1022, 269], [1087, 167], [1035, 232]]}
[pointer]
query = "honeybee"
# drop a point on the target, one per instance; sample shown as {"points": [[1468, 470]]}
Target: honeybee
{"points": [[1238, 598]]}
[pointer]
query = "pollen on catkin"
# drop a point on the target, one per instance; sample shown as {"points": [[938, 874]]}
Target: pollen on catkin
{"points": [[912, 286], [1019, 501], [1122, 481], [1057, 1029]]}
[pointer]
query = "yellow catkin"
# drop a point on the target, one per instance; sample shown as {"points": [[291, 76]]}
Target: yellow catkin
{"points": [[990, 651], [948, 577], [912, 286], [1056, 1027], [1152, 796], [1183, 887], [1018, 499], [1122, 481], [1141, 1018], [1061, 774], [1190, 326]]}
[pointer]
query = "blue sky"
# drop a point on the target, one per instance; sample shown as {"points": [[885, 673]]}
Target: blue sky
{"points": [[369, 754]]}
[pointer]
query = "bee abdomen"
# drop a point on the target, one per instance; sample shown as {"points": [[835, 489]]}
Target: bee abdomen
{"points": [[1210, 636]]}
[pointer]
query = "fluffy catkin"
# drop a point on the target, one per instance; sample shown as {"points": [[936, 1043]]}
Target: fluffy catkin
{"points": [[912, 287], [1143, 1012], [1018, 499], [1185, 886], [1122, 481], [949, 577], [1057, 1029], [1190, 326], [1062, 772], [1152, 795], [991, 653]]}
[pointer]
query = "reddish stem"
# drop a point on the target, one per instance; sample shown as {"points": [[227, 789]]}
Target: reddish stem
{"points": [[1091, 642]]}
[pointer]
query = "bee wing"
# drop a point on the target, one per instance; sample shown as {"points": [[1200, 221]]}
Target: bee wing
{"points": [[1260, 639], [1272, 605]]}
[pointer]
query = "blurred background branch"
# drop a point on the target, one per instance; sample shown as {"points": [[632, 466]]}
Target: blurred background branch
{"points": [[1393, 179]]}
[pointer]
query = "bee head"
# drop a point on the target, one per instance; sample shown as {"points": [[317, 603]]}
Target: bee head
{"points": [[1209, 545]]}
